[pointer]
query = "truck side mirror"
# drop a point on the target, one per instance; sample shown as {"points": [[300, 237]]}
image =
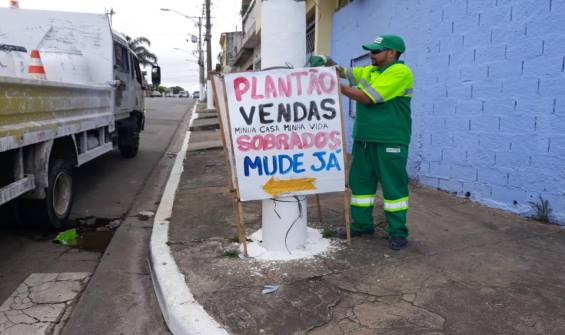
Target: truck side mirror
{"points": [[156, 75]]}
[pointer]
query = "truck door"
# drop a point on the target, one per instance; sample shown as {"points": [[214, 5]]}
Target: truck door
{"points": [[125, 91], [137, 83]]}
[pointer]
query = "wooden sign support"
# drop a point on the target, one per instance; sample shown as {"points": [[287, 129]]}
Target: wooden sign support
{"points": [[346, 215], [221, 107], [319, 208], [347, 192], [221, 100]]}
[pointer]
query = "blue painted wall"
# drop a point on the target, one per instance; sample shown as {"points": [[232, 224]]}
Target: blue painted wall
{"points": [[489, 102]]}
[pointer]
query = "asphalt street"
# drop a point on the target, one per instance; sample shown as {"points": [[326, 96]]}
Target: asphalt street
{"points": [[108, 189]]}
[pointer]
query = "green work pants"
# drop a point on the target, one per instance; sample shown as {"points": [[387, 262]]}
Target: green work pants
{"points": [[374, 163]]}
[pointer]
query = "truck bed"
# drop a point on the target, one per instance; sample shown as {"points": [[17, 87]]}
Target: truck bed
{"points": [[32, 111]]}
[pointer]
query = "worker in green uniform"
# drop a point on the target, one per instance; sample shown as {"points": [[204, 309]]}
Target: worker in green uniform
{"points": [[381, 135]]}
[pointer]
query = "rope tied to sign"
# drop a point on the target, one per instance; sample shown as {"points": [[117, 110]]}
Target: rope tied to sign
{"points": [[286, 66], [298, 200]]}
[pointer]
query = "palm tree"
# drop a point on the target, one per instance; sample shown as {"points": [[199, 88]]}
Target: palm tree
{"points": [[139, 46]]}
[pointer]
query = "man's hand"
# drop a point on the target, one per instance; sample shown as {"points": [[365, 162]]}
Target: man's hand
{"points": [[355, 94], [330, 62], [321, 60], [340, 72]]}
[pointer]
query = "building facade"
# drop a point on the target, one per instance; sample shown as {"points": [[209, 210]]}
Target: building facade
{"points": [[229, 42], [318, 21], [488, 108], [248, 49]]}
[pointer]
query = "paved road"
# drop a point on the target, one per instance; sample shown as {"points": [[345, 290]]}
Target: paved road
{"points": [[108, 188], [123, 179]]}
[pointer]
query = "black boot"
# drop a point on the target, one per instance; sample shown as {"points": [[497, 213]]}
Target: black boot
{"points": [[397, 243]]}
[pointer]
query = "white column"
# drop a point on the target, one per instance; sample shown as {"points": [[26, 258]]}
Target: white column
{"points": [[209, 97], [283, 41], [202, 93], [283, 33]]}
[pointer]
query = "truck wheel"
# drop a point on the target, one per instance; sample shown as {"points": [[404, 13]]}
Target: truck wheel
{"points": [[60, 194], [55, 209], [128, 140]]}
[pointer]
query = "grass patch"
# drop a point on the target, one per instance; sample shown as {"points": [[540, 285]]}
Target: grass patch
{"points": [[234, 239], [231, 253], [542, 210], [329, 233]]}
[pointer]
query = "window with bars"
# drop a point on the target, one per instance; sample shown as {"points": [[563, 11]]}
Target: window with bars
{"points": [[310, 35]]}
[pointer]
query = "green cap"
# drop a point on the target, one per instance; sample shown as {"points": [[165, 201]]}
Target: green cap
{"points": [[392, 42]]}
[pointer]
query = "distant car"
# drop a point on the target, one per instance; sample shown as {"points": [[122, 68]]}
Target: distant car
{"points": [[196, 95], [156, 94], [184, 94]]}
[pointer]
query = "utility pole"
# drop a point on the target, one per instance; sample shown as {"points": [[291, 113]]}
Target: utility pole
{"points": [[208, 38], [200, 53], [201, 59], [283, 41], [209, 99]]}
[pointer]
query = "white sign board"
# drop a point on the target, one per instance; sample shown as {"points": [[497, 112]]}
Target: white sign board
{"points": [[286, 132]]}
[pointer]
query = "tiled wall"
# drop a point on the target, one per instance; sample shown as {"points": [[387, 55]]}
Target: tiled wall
{"points": [[489, 101]]}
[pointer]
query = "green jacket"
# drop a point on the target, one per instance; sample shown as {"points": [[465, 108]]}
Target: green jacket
{"points": [[387, 119]]}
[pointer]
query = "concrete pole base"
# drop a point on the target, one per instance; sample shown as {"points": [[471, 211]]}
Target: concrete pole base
{"points": [[202, 93], [284, 223], [209, 99]]}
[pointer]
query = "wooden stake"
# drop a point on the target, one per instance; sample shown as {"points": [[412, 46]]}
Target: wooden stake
{"points": [[226, 145], [319, 208], [346, 216], [238, 208], [346, 193]]}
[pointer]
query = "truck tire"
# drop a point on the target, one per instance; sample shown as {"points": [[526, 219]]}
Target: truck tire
{"points": [[60, 193], [55, 209], [128, 140]]}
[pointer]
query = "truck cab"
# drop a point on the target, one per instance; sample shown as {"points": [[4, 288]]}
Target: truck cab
{"points": [[129, 92], [88, 101], [129, 108]]}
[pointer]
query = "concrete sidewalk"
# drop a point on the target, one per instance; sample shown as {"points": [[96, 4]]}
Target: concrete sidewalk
{"points": [[468, 270]]}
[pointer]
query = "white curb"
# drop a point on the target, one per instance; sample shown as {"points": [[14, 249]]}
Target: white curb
{"points": [[183, 314]]}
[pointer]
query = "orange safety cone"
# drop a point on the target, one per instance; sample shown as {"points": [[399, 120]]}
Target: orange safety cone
{"points": [[14, 4], [35, 68]]}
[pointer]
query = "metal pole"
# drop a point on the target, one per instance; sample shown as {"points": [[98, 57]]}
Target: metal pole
{"points": [[200, 54]]}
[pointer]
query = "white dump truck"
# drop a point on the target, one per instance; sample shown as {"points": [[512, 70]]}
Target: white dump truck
{"points": [[70, 91]]}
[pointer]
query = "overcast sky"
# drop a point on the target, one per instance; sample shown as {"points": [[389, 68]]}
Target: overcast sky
{"points": [[166, 30]]}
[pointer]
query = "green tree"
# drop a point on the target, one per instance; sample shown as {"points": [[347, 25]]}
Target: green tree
{"points": [[140, 46]]}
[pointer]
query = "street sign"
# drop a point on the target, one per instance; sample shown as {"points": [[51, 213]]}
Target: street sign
{"points": [[286, 132]]}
